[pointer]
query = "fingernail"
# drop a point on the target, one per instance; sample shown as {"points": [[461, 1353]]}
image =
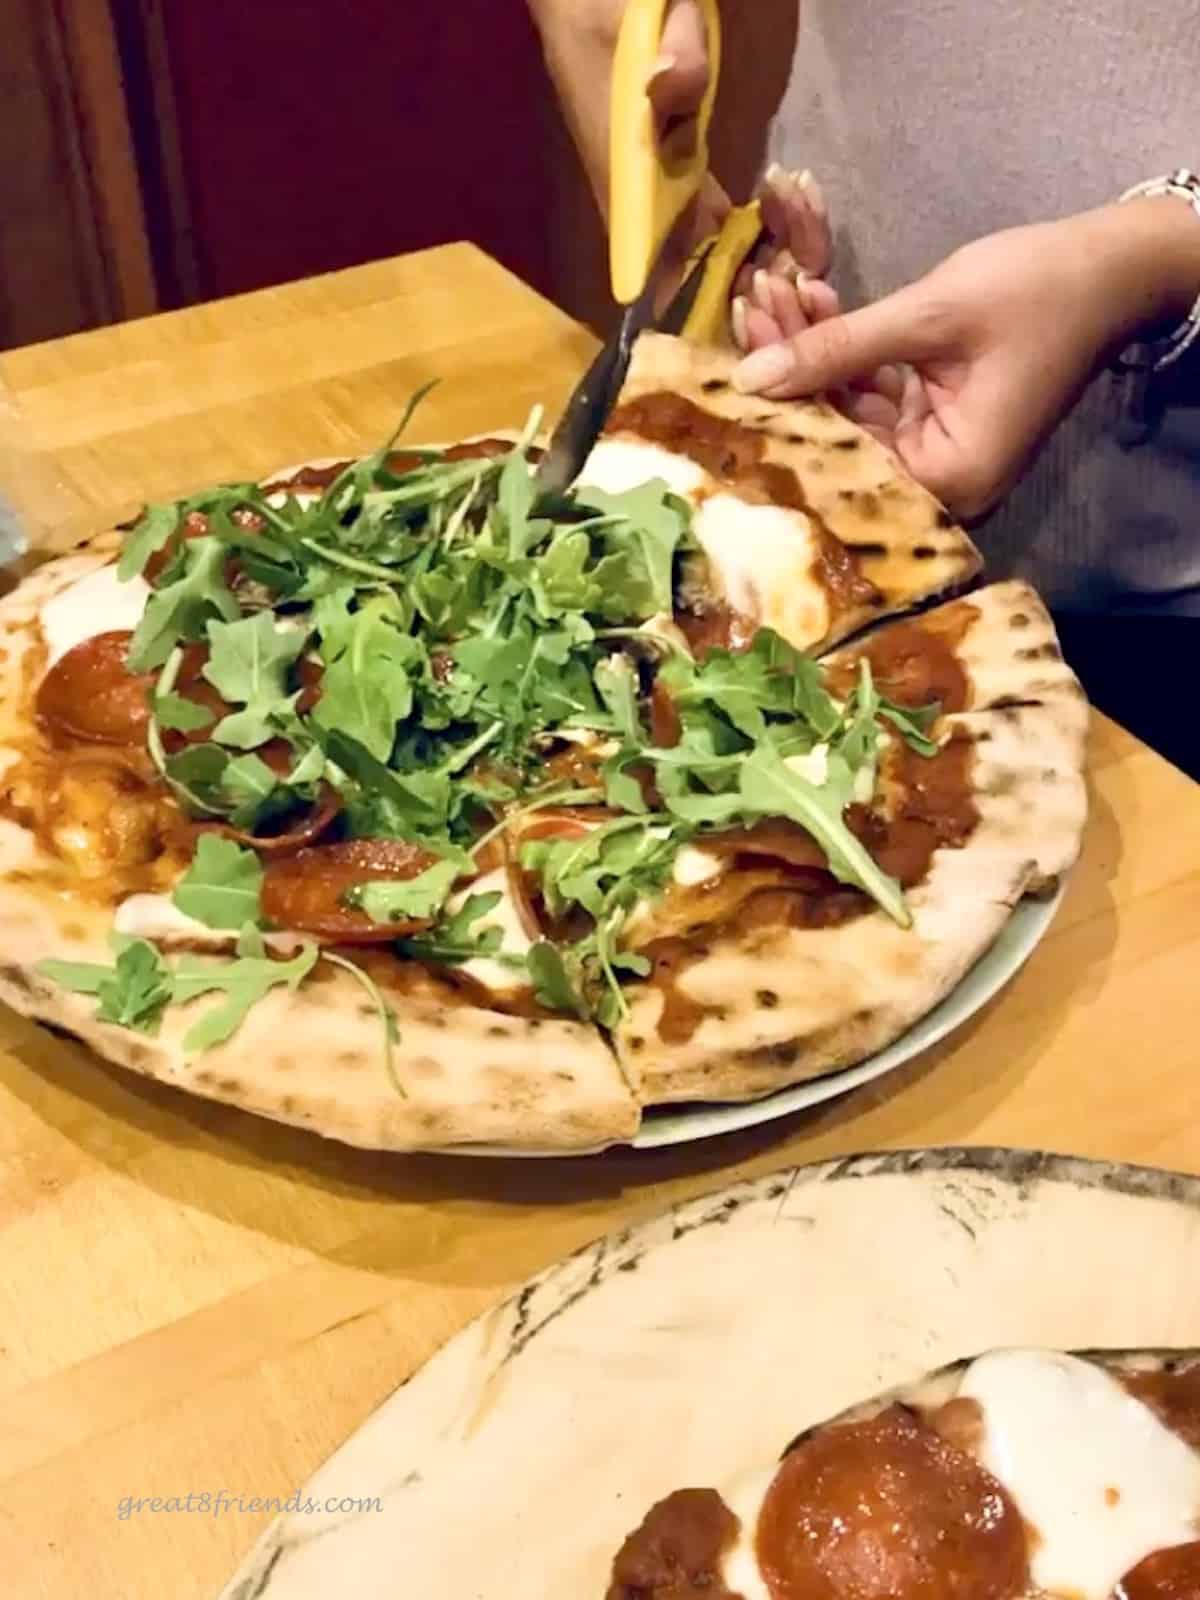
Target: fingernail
{"points": [[773, 174], [764, 369], [762, 288], [741, 333]]}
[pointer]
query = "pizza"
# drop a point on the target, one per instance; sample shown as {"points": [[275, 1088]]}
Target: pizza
{"points": [[392, 800], [1018, 1475]]}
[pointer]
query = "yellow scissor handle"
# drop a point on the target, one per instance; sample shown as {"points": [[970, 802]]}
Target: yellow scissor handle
{"points": [[648, 189], [708, 320]]}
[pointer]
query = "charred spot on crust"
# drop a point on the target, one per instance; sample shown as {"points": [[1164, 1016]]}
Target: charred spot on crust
{"points": [[714, 385], [767, 999], [637, 1043], [783, 1054], [798, 438], [495, 1031], [865, 547], [846, 444], [1040, 652], [1019, 619], [943, 518], [924, 552]]}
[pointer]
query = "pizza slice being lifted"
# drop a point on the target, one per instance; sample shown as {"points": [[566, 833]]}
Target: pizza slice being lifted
{"points": [[802, 521], [384, 800], [1018, 1475]]}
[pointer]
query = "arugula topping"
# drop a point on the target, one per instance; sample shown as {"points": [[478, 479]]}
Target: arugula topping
{"points": [[248, 663], [221, 887], [136, 990], [132, 993]]}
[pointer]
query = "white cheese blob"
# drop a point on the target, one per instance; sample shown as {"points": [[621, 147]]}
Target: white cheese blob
{"points": [[1094, 1472], [763, 558], [812, 766], [99, 603], [739, 1566], [616, 465], [693, 866], [505, 916], [156, 916]]}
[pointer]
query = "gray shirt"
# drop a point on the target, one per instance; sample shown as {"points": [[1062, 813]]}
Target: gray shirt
{"points": [[931, 122]]}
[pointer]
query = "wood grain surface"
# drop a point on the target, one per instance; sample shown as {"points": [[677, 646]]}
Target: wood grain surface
{"points": [[192, 1300]]}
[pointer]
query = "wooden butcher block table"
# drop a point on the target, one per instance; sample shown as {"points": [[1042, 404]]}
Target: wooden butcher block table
{"points": [[193, 1300]]}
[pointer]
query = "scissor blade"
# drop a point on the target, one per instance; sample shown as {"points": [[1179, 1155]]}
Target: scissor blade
{"points": [[586, 412]]}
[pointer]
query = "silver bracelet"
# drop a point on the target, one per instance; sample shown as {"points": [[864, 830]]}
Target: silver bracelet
{"points": [[1184, 185]]}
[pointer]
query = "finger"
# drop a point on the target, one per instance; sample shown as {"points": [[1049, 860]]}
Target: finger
{"points": [[795, 215], [818, 299], [784, 304], [889, 381], [843, 348], [737, 318], [679, 80], [762, 330]]}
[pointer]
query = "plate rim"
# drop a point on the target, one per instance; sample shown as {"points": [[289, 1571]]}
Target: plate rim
{"points": [[1016, 1165], [672, 1125]]}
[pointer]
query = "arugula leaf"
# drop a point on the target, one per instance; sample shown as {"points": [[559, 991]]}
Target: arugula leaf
{"points": [[365, 689], [196, 775], [222, 886], [649, 523], [387, 1017], [180, 609], [768, 788], [404, 805], [181, 715], [248, 782], [913, 725], [243, 982], [147, 537], [132, 993], [248, 665], [616, 681], [516, 497], [552, 983], [416, 899], [455, 938]]}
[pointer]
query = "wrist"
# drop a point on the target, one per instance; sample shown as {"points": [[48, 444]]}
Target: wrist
{"points": [[1147, 256]]}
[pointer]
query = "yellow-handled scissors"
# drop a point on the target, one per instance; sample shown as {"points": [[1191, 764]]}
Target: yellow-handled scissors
{"points": [[651, 184], [650, 187]]}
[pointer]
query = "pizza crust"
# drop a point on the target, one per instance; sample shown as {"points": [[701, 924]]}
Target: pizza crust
{"points": [[784, 1006]]}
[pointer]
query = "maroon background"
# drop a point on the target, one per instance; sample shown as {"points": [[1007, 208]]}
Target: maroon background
{"points": [[316, 134]]}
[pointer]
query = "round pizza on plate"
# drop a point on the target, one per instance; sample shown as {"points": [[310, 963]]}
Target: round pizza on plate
{"points": [[1017, 1475], [392, 799]]}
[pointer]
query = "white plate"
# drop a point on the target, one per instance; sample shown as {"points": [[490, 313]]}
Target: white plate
{"points": [[1014, 945], [694, 1347]]}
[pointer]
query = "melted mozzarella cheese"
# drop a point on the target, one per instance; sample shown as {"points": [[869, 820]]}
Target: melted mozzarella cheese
{"points": [[763, 558], [619, 464], [693, 866], [1093, 1471], [494, 974], [99, 603], [812, 766]]}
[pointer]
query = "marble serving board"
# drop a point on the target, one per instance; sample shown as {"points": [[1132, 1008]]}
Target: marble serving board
{"points": [[690, 1348]]}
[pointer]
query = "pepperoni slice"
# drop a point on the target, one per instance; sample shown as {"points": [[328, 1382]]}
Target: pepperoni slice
{"points": [[678, 1551], [303, 892], [194, 526], [91, 695], [873, 1510], [297, 829], [1166, 1575]]}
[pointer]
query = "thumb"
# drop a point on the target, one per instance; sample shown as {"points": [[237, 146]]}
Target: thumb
{"points": [[680, 78], [842, 349]]}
